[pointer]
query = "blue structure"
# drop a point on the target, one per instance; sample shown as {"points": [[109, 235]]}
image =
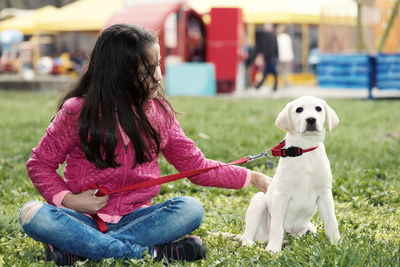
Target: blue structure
{"points": [[191, 79], [388, 71], [355, 71]]}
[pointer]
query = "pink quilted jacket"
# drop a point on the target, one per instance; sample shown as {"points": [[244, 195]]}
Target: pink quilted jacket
{"points": [[61, 144]]}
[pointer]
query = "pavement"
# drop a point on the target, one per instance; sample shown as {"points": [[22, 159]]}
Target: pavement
{"points": [[295, 91]]}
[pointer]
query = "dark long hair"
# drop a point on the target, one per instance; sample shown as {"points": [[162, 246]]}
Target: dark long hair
{"points": [[115, 90]]}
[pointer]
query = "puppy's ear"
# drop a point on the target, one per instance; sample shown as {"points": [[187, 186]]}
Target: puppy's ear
{"points": [[283, 121], [331, 118]]}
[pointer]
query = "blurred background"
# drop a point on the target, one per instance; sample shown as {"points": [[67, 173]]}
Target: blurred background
{"points": [[210, 47]]}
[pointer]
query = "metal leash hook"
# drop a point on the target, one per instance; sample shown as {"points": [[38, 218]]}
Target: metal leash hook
{"points": [[270, 164], [261, 155]]}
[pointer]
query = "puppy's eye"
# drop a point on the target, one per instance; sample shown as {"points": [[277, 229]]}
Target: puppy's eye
{"points": [[318, 109], [299, 110]]}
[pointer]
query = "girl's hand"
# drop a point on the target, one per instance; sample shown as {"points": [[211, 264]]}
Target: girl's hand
{"points": [[85, 202], [260, 181]]}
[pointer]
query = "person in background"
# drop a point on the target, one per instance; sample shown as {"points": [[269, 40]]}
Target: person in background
{"points": [[267, 47], [110, 130], [285, 51], [79, 60]]}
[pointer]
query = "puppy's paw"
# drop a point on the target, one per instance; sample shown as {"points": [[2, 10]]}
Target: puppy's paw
{"points": [[246, 242], [309, 229], [312, 228], [273, 248], [334, 237]]}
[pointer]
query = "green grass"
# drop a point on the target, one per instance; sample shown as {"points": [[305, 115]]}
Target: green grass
{"points": [[365, 163]]}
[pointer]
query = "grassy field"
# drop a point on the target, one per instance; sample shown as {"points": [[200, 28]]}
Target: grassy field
{"points": [[364, 151]]}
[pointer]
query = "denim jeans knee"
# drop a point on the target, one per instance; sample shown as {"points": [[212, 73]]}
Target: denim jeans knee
{"points": [[29, 210], [192, 211]]}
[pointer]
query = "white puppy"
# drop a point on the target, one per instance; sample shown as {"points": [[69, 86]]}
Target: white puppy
{"points": [[301, 183]]}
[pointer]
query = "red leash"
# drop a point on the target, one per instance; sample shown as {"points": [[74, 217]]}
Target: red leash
{"points": [[165, 179]]}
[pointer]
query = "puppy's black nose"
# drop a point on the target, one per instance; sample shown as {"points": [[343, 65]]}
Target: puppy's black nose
{"points": [[311, 121]]}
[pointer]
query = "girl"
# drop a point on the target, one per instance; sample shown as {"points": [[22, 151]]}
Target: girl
{"points": [[110, 130]]}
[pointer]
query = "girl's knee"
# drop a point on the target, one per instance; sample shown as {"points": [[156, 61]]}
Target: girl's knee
{"points": [[29, 210], [192, 208]]}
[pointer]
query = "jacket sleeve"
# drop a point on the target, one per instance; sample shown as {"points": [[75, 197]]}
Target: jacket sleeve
{"points": [[60, 138], [182, 153]]}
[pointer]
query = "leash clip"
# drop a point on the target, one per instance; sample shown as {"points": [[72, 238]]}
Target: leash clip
{"points": [[258, 156]]}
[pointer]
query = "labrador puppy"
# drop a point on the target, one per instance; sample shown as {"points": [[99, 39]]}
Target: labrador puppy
{"points": [[302, 182]]}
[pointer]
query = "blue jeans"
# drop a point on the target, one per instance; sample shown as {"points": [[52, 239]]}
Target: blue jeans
{"points": [[135, 233]]}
